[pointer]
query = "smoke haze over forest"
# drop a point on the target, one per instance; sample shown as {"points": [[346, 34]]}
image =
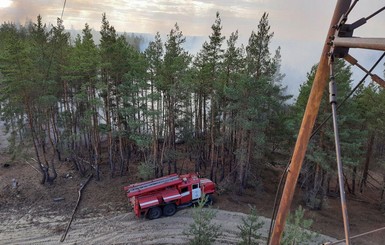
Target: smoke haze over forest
{"points": [[299, 26]]}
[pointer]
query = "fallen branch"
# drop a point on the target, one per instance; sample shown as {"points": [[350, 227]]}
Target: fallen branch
{"points": [[32, 166], [76, 207]]}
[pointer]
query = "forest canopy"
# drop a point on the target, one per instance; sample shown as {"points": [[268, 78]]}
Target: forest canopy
{"points": [[223, 112]]}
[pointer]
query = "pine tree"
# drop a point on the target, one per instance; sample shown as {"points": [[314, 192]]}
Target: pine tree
{"points": [[369, 106], [14, 67], [210, 62], [279, 131], [108, 52], [233, 70], [133, 114], [258, 57], [202, 231], [295, 231], [248, 230], [256, 98], [175, 88], [82, 78], [47, 109], [153, 55], [27, 68]]}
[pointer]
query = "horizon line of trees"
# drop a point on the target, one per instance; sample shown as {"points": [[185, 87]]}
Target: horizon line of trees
{"points": [[224, 110]]}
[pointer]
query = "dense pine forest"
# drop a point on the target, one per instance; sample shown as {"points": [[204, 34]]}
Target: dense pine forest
{"points": [[222, 112]]}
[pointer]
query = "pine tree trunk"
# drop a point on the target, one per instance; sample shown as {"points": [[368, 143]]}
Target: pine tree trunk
{"points": [[242, 159], [222, 154], [367, 162], [34, 141], [95, 137], [205, 130], [354, 174], [121, 149], [212, 141]]}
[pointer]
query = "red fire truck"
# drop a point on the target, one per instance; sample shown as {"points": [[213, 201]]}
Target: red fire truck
{"points": [[164, 195]]}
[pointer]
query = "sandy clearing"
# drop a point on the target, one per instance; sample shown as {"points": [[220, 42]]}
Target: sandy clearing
{"points": [[34, 225], [115, 228]]}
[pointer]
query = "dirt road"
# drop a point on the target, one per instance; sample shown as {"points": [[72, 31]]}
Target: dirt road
{"points": [[39, 227]]}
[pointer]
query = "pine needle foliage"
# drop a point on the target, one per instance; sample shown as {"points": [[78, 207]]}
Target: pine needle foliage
{"points": [[296, 229], [248, 230], [202, 231]]}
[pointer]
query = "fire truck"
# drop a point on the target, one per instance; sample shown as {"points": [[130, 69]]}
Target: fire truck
{"points": [[164, 195]]}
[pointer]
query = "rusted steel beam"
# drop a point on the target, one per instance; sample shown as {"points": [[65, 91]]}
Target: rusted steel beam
{"points": [[374, 77], [359, 42], [307, 125]]}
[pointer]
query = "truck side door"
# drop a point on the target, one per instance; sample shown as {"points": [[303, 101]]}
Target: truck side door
{"points": [[196, 191]]}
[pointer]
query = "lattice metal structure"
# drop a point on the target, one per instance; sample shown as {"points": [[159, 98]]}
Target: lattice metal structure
{"points": [[339, 41]]}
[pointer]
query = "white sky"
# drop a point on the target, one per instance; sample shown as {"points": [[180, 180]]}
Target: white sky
{"points": [[299, 26]]}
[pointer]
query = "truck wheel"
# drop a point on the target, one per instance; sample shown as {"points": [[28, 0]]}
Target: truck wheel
{"points": [[209, 200], [154, 213], [169, 209]]}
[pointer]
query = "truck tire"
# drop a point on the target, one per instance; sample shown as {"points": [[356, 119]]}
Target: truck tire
{"points": [[154, 213], [169, 209], [209, 200]]}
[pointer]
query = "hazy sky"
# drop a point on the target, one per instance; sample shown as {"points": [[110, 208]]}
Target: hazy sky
{"points": [[299, 26]]}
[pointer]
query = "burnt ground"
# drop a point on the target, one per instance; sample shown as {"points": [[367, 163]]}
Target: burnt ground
{"points": [[48, 208]]}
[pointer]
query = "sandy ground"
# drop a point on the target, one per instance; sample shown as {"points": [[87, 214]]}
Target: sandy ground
{"points": [[28, 217], [36, 226]]}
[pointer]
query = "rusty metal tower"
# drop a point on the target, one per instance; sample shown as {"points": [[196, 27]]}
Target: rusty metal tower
{"points": [[339, 40]]}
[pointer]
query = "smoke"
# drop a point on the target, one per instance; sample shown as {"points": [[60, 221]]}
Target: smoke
{"points": [[23, 12]]}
